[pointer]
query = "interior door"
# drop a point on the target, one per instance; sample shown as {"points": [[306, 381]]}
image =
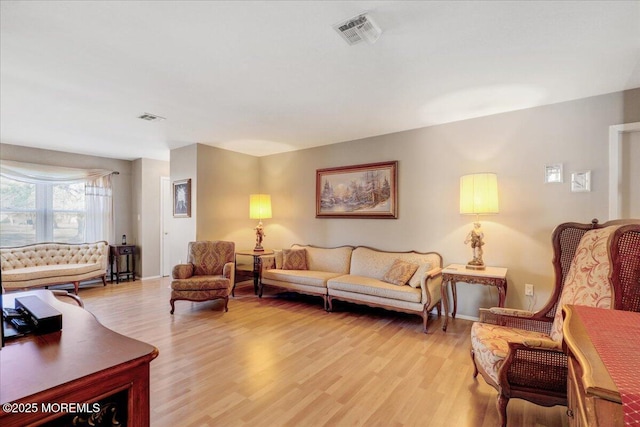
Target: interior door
{"points": [[166, 214], [630, 175]]}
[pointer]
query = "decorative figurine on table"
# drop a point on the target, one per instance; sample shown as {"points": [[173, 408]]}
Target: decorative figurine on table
{"points": [[475, 237], [259, 237]]}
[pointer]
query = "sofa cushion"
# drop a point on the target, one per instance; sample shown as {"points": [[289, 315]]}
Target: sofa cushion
{"points": [[400, 272], [416, 279], [302, 277], [201, 283], [277, 255], [373, 263], [369, 286], [335, 260], [490, 344], [294, 259], [48, 271]]}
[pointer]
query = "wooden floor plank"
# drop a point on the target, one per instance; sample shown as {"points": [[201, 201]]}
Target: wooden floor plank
{"points": [[283, 361]]}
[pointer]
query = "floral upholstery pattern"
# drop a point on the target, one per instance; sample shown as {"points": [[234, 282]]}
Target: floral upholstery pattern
{"points": [[208, 275], [587, 282], [208, 258], [490, 344], [182, 271]]}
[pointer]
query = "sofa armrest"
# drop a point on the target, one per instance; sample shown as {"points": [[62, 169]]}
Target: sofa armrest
{"points": [[182, 271], [513, 318], [229, 271], [514, 312], [430, 286]]}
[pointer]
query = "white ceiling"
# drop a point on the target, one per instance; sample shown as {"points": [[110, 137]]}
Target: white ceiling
{"points": [[269, 77]]}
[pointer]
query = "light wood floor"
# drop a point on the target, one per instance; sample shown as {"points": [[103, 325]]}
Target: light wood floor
{"points": [[283, 361]]}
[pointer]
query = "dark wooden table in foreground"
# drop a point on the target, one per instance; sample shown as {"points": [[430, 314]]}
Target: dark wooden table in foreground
{"points": [[49, 379]]}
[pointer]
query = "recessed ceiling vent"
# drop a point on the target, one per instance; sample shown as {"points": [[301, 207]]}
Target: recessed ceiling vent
{"points": [[358, 28], [150, 117]]}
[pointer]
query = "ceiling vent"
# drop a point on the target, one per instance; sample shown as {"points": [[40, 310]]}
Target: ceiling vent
{"points": [[150, 117], [358, 28]]}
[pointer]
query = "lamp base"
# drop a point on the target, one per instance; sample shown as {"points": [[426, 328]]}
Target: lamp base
{"points": [[475, 267], [258, 249]]}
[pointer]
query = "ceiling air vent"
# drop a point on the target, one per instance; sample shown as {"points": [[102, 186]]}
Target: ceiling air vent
{"points": [[358, 28], [150, 117]]}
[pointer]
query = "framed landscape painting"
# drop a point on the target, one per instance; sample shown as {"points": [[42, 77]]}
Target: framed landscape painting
{"points": [[360, 191], [182, 198]]}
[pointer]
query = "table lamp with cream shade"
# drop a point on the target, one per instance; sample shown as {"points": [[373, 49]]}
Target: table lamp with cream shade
{"points": [[259, 208], [478, 196]]}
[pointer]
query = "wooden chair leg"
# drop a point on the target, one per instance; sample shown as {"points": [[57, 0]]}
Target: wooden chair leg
{"points": [[76, 285], [173, 307], [502, 409], [475, 367]]}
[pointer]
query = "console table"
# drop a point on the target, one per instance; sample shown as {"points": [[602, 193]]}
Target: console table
{"points": [[83, 365], [116, 253], [242, 270], [490, 276], [603, 355]]}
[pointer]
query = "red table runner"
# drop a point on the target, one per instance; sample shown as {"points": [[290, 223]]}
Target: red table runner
{"points": [[616, 336]]}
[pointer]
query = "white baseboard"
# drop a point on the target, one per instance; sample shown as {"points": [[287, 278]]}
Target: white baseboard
{"points": [[462, 316]]}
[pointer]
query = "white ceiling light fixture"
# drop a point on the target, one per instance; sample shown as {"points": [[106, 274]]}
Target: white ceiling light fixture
{"points": [[358, 28], [150, 117]]}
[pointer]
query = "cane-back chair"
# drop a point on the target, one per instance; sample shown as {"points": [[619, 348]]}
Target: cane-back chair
{"points": [[519, 352], [207, 275]]}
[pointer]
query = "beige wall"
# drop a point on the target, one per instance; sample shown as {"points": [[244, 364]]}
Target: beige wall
{"points": [[183, 165], [514, 145], [221, 182]]}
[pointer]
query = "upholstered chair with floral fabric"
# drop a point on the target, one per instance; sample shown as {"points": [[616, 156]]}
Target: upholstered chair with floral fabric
{"points": [[520, 353], [207, 275]]}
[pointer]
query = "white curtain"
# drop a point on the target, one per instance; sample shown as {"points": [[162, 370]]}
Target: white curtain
{"points": [[98, 192], [99, 202]]}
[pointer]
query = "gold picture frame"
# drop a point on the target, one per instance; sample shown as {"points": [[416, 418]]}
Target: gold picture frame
{"points": [[182, 198], [359, 191]]}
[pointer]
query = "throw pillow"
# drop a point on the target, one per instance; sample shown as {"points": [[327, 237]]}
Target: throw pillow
{"points": [[416, 279], [400, 272], [294, 259]]}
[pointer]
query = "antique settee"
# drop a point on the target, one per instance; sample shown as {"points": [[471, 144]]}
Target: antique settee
{"points": [[44, 264], [401, 281]]}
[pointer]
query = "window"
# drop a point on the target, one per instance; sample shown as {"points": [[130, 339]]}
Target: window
{"points": [[46, 203], [44, 212]]}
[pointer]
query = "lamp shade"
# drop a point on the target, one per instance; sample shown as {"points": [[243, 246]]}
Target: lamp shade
{"points": [[259, 206], [479, 194]]}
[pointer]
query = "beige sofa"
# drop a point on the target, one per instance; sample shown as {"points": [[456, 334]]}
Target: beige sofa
{"points": [[359, 275], [45, 264]]}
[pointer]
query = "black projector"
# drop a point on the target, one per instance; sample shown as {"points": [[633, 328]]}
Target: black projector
{"points": [[42, 316]]}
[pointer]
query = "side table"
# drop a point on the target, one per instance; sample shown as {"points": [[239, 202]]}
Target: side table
{"points": [[116, 252], [256, 266], [490, 276]]}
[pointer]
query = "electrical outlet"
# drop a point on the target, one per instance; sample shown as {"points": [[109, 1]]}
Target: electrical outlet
{"points": [[528, 290]]}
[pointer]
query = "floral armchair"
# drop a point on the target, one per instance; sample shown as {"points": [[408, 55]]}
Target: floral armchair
{"points": [[520, 352], [207, 275]]}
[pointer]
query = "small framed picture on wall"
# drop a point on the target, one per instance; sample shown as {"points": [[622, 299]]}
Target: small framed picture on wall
{"points": [[182, 198]]}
